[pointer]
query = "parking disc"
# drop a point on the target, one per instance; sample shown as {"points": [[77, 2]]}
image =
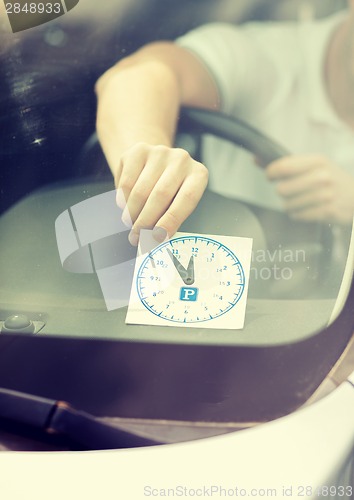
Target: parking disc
{"points": [[191, 280]]}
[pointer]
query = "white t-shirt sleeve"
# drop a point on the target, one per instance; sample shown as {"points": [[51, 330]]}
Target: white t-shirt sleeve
{"points": [[248, 72]]}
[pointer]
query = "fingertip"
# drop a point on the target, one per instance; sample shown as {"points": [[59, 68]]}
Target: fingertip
{"points": [[160, 234], [133, 238], [120, 199], [271, 170]]}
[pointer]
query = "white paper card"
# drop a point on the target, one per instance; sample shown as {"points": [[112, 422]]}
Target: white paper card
{"points": [[191, 280]]}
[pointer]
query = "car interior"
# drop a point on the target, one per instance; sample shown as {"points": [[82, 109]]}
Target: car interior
{"points": [[68, 364]]}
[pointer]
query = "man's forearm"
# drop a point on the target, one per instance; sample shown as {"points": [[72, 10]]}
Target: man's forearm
{"points": [[138, 102]]}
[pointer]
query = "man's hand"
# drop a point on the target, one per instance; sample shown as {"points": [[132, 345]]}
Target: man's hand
{"points": [[161, 187], [313, 188]]}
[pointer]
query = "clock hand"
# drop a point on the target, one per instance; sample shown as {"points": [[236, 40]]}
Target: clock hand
{"points": [[187, 275], [190, 272]]}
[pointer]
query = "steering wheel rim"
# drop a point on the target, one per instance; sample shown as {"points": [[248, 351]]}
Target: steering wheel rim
{"points": [[197, 121]]}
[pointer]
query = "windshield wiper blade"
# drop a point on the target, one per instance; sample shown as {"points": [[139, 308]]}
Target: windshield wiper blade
{"points": [[58, 417]]}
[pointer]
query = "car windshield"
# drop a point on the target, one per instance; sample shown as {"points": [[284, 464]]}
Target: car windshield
{"points": [[67, 268]]}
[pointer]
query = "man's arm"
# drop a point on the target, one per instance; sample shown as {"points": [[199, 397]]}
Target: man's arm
{"points": [[138, 106]]}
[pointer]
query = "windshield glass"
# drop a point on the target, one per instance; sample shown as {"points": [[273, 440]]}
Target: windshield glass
{"points": [[176, 202], [264, 194]]}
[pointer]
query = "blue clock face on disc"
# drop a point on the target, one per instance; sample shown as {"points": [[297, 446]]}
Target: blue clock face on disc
{"points": [[190, 279]]}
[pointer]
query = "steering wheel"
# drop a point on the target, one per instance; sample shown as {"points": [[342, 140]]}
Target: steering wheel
{"points": [[268, 228]]}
